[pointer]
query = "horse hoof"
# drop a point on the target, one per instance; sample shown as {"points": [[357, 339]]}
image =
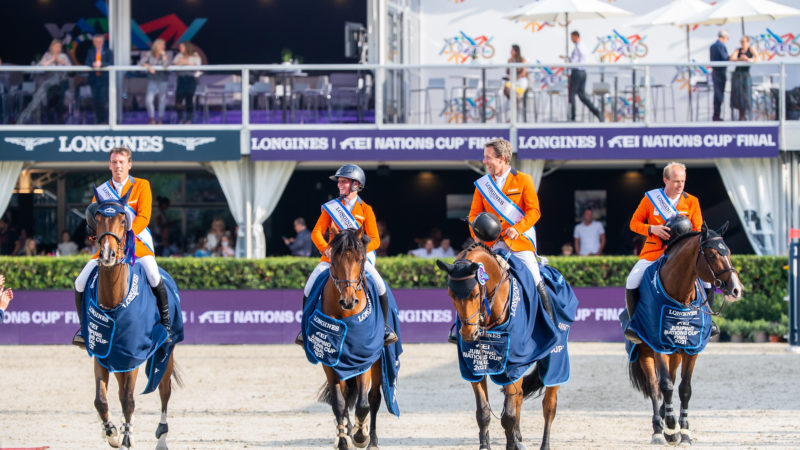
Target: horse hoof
{"points": [[162, 442], [658, 439], [361, 444], [686, 437], [111, 436], [521, 446], [343, 443]]}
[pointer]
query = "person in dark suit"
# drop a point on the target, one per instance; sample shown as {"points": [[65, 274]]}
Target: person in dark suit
{"points": [[302, 244], [719, 52], [99, 56], [5, 297]]}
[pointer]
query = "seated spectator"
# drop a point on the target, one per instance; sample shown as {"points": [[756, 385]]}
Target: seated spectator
{"points": [[6, 295], [225, 249], [567, 250], [215, 235], [19, 245], [30, 247], [427, 251], [200, 250], [301, 244], [56, 82], [444, 250], [165, 247], [66, 247], [7, 238], [187, 82], [386, 238]]}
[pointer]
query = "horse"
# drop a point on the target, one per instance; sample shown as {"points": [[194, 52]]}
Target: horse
{"points": [[706, 256], [477, 317], [343, 296], [112, 286]]}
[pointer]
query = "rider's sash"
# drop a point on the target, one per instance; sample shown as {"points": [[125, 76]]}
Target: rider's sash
{"points": [[107, 192], [344, 220], [662, 204], [508, 210]]}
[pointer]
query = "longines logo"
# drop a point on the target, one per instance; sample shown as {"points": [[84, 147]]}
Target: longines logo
{"points": [[88, 144], [191, 143], [29, 143]]}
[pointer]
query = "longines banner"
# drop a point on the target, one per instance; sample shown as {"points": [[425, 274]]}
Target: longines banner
{"points": [[183, 145], [374, 145]]}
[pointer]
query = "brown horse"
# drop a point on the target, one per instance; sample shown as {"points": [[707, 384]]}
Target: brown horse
{"points": [[475, 320], [112, 285], [691, 256], [343, 296]]}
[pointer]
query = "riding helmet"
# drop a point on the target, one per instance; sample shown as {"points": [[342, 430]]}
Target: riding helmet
{"points": [[678, 225], [352, 172], [486, 227]]}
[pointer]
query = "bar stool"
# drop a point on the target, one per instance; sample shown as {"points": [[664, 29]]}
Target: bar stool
{"points": [[434, 84]]}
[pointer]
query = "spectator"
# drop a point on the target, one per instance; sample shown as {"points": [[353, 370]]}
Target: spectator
{"points": [[187, 82], [66, 247], [6, 295], [57, 83], [99, 56], [30, 247], [522, 74], [385, 237], [741, 83], [157, 80], [426, 251], [19, 245], [577, 78], [214, 235], [590, 236], [200, 250], [161, 220], [567, 250], [165, 246], [7, 238], [445, 250], [225, 249], [301, 244], [718, 52], [88, 246]]}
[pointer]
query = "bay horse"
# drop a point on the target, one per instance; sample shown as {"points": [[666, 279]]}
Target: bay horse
{"points": [[706, 256], [343, 296], [112, 286], [475, 319]]}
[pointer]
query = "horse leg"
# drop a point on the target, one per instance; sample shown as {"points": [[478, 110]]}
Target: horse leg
{"points": [[361, 429], [483, 412], [510, 417], [685, 393], [110, 432], [375, 402], [127, 383], [339, 406], [648, 366], [164, 391], [666, 382], [549, 411]]}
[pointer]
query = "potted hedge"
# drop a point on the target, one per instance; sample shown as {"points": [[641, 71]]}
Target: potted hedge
{"points": [[759, 330], [778, 330], [737, 329], [723, 329]]}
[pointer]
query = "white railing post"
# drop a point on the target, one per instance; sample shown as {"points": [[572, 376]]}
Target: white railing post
{"points": [[648, 105], [112, 97], [245, 97]]}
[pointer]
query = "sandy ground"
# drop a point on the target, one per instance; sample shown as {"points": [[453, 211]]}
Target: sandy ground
{"points": [[745, 396]]}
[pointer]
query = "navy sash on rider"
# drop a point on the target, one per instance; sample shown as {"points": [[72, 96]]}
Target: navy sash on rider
{"points": [[664, 324], [107, 192], [508, 210], [344, 219], [663, 206], [353, 347]]}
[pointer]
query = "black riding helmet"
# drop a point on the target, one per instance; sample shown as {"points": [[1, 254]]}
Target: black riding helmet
{"points": [[678, 226], [486, 227], [353, 172]]}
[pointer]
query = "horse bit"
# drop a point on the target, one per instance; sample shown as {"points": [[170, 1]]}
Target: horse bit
{"points": [[487, 300], [120, 254], [357, 284]]}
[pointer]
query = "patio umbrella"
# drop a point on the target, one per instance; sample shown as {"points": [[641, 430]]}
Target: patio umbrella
{"points": [[742, 10], [566, 10], [673, 13]]}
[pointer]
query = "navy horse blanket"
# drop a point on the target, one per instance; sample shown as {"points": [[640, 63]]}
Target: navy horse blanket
{"points": [[352, 345], [125, 337], [507, 351], [662, 322]]}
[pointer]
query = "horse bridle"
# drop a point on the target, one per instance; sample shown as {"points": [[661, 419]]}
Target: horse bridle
{"points": [[487, 300], [120, 241], [342, 284], [718, 283]]}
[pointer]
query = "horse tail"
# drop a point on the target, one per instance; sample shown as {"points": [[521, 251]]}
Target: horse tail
{"points": [[639, 378], [177, 374], [351, 393], [532, 384]]}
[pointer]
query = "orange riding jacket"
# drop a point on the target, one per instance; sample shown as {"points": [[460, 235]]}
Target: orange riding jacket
{"points": [[519, 188], [646, 215], [141, 200], [364, 216]]}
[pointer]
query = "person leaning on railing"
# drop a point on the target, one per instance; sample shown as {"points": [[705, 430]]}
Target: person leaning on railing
{"points": [[187, 82]]}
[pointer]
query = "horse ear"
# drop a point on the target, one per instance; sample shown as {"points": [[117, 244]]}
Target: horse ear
{"points": [[125, 197], [444, 266], [704, 230], [724, 228], [96, 193], [473, 267]]}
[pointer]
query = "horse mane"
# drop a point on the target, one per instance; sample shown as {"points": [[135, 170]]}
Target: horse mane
{"points": [[346, 240], [679, 239], [472, 247]]}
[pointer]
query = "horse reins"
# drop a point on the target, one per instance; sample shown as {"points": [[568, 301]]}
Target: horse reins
{"points": [[120, 254], [718, 283], [357, 284], [487, 301]]}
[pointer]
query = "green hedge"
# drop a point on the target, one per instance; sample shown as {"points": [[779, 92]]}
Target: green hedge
{"points": [[764, 278]]}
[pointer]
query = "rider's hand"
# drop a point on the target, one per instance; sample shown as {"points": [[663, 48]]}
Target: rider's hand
{"points": [[511, 233], [660, 231], [5, 298]]}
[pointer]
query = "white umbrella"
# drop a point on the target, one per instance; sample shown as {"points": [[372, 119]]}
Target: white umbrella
{"points": [[742, 10], [566, 10], [673, 13]]}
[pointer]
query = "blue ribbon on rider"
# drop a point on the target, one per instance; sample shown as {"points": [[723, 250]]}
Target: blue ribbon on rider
{"points": [[131, 334], [352, 345]]}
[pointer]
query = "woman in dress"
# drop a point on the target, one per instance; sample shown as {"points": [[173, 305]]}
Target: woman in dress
{"points": [[741, 84], [187, 82]]}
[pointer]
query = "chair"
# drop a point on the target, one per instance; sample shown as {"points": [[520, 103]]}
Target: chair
{"points": [[434, 84], [262, 89], [231, 91], [345, 92]]}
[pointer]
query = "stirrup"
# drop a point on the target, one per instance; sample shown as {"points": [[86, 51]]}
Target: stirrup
{"points": [[714, 329], [451, 336], [632, 336], [389, 337], [169, 332], [78, 340], [299, 339]]}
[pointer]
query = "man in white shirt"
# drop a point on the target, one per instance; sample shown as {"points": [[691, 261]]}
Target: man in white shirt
{"points": [[577, 79], [444, 250], [427, 251], [590, 236]]}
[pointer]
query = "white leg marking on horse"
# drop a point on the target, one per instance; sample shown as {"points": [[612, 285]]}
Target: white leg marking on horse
{"points": [[672, 431], [163, 417]]}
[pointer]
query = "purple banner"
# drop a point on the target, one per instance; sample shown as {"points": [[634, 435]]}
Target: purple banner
{"points": [[651, 143], [273, 317], [370, 145]]}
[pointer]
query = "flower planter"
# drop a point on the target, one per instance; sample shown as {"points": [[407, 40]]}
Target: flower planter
{"points": [[737, 337], [774, 338], [759, 336]]}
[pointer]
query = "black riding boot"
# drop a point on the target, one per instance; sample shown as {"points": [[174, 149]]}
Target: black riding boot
{"points": [[631, 301], [710, 296], [162, 301], [299, 339], [548, 305], [389, 336], [78, 338]]}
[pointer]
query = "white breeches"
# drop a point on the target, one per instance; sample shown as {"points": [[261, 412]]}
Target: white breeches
{"points": [[528, 257], [323, 266], [635, 277], [148, 262]]}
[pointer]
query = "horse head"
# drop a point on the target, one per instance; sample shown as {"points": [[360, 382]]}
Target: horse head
{"points": [[714, 263], [473, 281], [112, 226], [348, 256]]}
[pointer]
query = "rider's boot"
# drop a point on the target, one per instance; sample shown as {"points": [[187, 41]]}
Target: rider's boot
{"points": [[710, 296], [631, 300], [389, 336], [546, 302], [78, 338], [160, 290], [299, 339]]}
